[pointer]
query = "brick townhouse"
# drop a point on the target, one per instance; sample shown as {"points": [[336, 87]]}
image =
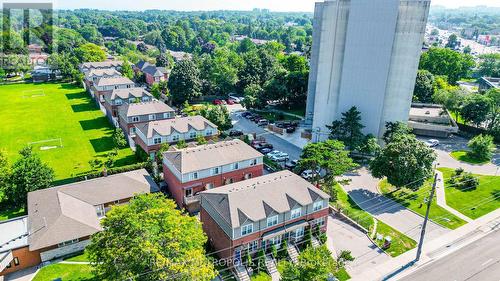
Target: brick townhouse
{"points": [[260, 212], [61, 219], [93, 75], [107, 85], [152, 74], [149, 136], [132, 114], [88, 66], [119, 97], [191, 170]]}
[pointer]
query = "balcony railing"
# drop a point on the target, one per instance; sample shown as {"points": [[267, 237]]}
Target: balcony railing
{"points": [[191, 199]]}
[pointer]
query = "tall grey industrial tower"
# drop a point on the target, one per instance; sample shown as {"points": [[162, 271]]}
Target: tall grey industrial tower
{"points": [[365, 53]]}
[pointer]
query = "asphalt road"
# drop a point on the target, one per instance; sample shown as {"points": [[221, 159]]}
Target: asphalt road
{"points": [[479, 261]]}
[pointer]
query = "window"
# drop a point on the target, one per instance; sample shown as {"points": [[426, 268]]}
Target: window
{"points": [[192, 135], [166, 115], [319, 222], [66, 243], [248, 176], [132, 131], [175, 137], [144, 99], [209, 186], [194, 175], [209, 133], [16, 261], [215, 171], [297, 212], [152, 117], [299, 233], [229, 181], [246, 229], [271, 221], [189, 192], [135, 119], [253, 162], [253, 246], [318, 206], [118, 102], [157, 140], [100, 211], [9, 265], [131, 100], [236, 166]]}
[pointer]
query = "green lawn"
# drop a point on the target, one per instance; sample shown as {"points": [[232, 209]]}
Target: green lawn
{"points": [[83, 257], [400, 242], [262, 276], [473, 203], [51, 111], [415, 201], [6, 214], [461, 155], [273, 116], [67, 272], [342, 275]]}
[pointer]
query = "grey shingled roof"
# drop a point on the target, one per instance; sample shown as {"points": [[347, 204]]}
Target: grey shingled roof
{"points": [[144, 108], [68, 212], [256, 198], [210, 155], [180, 125], [111, 81], [127, 93], [104, 64], [154, 71], [99, 72]]}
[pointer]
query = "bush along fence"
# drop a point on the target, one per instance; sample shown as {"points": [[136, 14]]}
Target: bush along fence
{"points": [[112, 171]]}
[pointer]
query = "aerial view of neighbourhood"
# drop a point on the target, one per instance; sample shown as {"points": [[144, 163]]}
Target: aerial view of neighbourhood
{"points": [[257, 140]]}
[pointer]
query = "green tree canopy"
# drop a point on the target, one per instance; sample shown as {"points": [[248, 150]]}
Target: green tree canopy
{"points": [[444, 61], [90, 52], [475, 109], [315, 264], [127, 70], [424, 87], [394, 130], [150, 239], [405, 161], [219, 115], [28, 174], [348, 129], [184, 82], [481, 147]]}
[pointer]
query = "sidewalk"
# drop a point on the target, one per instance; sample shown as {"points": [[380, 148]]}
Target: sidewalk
{"points": [[441, 198], [402, 265]]}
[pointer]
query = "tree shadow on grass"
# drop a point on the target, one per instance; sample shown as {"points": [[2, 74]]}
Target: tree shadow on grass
{"points": [[83, 107], [496, 194], [130, 159], [102, 144], [95, 124], [74, 96]]}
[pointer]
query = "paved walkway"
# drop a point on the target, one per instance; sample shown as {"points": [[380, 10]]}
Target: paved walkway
{"points": [[363, 190], [343, 236], [441, 198], [23, 275]]}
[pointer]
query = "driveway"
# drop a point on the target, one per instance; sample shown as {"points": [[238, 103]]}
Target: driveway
{"points": [[363, 190], [346, 237], [453, 143]]}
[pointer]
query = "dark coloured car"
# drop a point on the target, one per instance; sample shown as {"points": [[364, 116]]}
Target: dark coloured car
{"points": [[291, 165], [290, 129], [235, 133], [265, 150]]}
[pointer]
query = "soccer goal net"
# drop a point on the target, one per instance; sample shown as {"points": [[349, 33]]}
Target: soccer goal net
{"points": [[33, 93], [46, 144]]}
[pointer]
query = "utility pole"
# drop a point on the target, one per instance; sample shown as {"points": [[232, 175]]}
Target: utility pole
{"points": [[422, 233]]}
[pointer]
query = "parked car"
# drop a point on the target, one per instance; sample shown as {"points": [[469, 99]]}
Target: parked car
{"points": [[279, 157], [432, 143], [290, 130], [308, 174], [234, 99], [291, 165], [263, 122], [274, 152], [235, 133], [217, 102], [230, 101], [265, 150]]}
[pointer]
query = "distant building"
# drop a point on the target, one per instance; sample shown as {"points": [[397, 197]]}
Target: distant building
{"points": [[191, 170], [179, 56], [106, 85], [61, 219], [486, 83], [365, 53], [132, 114], [255, 214], [93, 75], [431, 120], [150, 135], [152, 74], [119, 97], [42, 74], [87, 66]]}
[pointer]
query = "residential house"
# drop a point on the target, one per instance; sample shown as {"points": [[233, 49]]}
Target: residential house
{"points": [[151, 135], [61, 219], [108, 84], [257, 213], [132, 114], [119, 97], [192, 170], [179, 56], [93, 75], [87, 66], [152, 74]]}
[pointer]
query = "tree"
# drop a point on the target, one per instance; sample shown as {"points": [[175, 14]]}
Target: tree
{"points": [[467, 49], [475, 109], [405, 161], [137, 240], [451, 98], [294, 62], [444, 61], [452, 41], [424, 87], [218, 115], [490, 65], [95, 163], [370, 145], [28, 174], [4, 170], [184, 82], [330, 156], [90, 52], [119, 138], [165, 60], [164, 147], [348, 129], [481, 147], [200, 140], [315, 264], [127, 70], [344, 257], [394, 130], [253, 97], [181, 144]]}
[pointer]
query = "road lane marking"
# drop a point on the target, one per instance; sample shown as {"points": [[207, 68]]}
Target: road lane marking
{"points": [[486, 262]]}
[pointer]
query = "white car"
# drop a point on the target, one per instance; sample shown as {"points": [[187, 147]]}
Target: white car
{"points": [[308, 174], [272, 153], [235, 99], [432, 143], [279, 157]]}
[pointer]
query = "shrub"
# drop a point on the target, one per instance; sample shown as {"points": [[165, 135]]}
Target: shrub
{"points": [[468, 182], [481, 147], [181, 144], [459, 171]]}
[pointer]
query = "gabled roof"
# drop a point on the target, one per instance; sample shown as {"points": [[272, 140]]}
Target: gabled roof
{"points": [[210, 155], [144, 108], [112, 81], [104, 64], [99, 72], [127, 93], [142, 64], [68, 212], [180, 125], [154, 70], [261, 196]]}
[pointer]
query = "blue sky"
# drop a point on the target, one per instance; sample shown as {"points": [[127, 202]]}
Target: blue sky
{"points": [[189, 5]]}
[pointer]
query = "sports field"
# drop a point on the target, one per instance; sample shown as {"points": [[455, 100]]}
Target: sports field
{"points": [[61, 122]]}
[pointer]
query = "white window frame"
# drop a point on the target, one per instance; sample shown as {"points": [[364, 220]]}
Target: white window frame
{"points": [[246, 229], [193, 135], [118, 102], [194, 175], [135, 118], [295, 213], [318, 205], [236, 166], [253, 246], [67, 243], [253, 162], [100, 211], [166, 115], [272, 221], [152, 117], [157, 140], [209, 186], [216, 171], [209, 133], [175, 137]]}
